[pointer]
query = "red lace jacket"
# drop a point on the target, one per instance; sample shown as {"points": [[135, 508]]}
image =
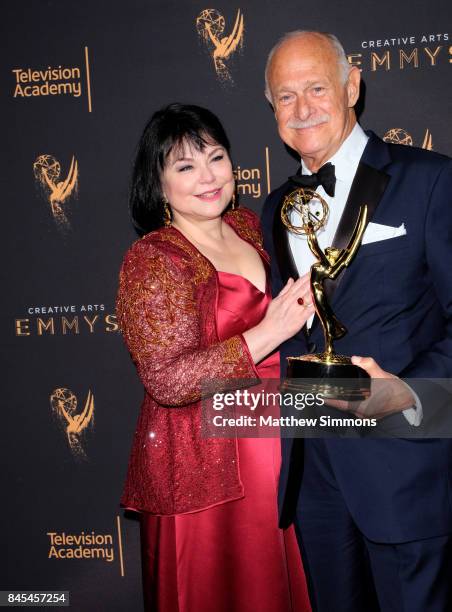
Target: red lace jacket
{"points": [[166, 311]]}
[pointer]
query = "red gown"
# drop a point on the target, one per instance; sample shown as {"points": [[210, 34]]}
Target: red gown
{"points": [[231, 557]]}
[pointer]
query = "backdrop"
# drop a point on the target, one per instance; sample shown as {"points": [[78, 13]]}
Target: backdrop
{"points": [[78, 82]]}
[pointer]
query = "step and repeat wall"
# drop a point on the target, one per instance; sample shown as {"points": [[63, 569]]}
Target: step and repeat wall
{"points": [[78, 82]]}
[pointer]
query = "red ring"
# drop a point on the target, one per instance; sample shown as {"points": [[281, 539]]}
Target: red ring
{"points": [[300, 301]]}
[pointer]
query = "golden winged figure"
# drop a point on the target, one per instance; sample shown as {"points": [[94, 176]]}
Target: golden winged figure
{"points": [[47, 170], [224, 46], [64, 403], [428, 142], [329, 265]]}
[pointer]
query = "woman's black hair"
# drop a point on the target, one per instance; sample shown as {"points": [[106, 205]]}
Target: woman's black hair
{"points": [[168, 128]]}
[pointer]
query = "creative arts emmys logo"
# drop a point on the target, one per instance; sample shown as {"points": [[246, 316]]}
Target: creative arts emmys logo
{"points": [[403, 52], [210, 25], [401, 136], [64, 406], [49, 320], [47, 172]]}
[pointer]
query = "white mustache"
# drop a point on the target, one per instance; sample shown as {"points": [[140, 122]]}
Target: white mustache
{"points": [[298, 124]]}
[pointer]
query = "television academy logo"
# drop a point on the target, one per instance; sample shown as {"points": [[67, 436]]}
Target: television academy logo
{"points": [[401, 136], [54, 81], [210, 25], [81, 545], [64, 405], [253, 181], [87, 545], [47, 172]]}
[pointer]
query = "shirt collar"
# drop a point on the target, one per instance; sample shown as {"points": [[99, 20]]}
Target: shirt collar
{"points": [[346, 158]]}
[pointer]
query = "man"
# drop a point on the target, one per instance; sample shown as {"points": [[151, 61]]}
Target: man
{"points": [[374, 516]]}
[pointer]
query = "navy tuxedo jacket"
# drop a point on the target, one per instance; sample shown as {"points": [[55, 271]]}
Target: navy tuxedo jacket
{"points": [[396, 301]]}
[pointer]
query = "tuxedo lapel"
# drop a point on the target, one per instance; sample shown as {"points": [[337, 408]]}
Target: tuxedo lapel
{"points": [[283, 252], [368, 187]]}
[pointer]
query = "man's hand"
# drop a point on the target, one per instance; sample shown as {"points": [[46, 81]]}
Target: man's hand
{"points": [[371, 367], [388, 393]]}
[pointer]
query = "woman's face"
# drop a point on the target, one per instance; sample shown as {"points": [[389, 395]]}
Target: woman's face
{"points": [[198, 184]]}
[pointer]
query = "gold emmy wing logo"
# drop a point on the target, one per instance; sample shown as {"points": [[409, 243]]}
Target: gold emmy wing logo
{"points": [[210, 25], [47, 171], [401, 136], [64, 405]]}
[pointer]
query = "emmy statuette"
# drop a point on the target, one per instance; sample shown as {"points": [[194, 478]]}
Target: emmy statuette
{"points": [[336, 374]]}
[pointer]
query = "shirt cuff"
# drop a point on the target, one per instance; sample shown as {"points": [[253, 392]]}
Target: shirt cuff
{"points": [[414, 414]]}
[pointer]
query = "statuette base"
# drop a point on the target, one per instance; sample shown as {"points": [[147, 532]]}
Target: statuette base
{"points": [[334, 376]]}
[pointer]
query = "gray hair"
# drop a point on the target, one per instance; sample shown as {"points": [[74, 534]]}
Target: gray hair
{"points": [[342, 60]]}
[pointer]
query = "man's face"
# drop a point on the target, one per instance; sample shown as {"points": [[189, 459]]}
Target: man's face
{"points": [[313, 106]]}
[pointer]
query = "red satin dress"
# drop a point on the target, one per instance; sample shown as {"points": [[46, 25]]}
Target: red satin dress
{"points": [[231, 557]]}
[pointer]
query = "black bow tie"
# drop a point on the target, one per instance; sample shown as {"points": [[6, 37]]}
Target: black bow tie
{"points": [[325, 177]]}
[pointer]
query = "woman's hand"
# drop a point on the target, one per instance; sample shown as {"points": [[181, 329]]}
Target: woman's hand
{"points": [[289, 310], [285, 316]]}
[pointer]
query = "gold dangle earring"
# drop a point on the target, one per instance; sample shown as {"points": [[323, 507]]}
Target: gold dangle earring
{"points": [[166, 213], [233, 201]]}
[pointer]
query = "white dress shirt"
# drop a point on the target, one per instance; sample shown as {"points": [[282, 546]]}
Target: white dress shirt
{"points": [[345, 162]]}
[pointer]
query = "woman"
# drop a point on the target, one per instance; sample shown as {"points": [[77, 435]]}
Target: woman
{"points": [[194, 304]]}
